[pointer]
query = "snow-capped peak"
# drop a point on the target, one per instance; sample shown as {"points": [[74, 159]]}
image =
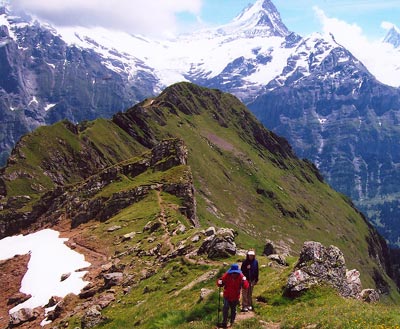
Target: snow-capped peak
{"points": [[393, 36], [260, 19]]}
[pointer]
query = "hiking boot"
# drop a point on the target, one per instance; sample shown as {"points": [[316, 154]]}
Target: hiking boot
{"points": [[244, 309], [250, 308], [223, 325]]}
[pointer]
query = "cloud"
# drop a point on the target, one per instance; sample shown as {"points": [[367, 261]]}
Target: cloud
{"points": [[388, 26], [381, 59], [344, 32], [150, 17], [361, 6]]}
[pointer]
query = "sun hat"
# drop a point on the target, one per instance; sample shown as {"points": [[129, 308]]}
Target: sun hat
{"points": [[234, 269], [251, 253]]}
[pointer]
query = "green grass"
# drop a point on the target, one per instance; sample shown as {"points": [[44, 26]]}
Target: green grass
{"points": [[262, 192]]}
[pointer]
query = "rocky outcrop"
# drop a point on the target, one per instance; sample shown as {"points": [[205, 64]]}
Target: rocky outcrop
{"points": [[370, 296], [269, 248], [81, 202], [345, 121], [21, 316], [92, 317], [219, 245], [44, 80], [319, 265], [278, 259]]}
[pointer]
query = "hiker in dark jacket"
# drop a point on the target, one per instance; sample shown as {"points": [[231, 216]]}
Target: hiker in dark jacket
{"points": [[250, 270], [232, 281]]}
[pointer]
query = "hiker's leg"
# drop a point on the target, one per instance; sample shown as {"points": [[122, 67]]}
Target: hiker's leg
{"points": [[246, 302], [250, 294], [225, 311], [233, 305]]}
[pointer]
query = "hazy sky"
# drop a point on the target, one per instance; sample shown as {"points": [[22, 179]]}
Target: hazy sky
{"points": [[174, 16]]}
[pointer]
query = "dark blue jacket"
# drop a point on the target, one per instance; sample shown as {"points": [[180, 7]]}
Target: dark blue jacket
{"points": [[252, 273]]}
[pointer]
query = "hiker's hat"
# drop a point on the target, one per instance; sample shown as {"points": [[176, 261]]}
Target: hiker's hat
{"points": [[234, 269], [251, 253]]}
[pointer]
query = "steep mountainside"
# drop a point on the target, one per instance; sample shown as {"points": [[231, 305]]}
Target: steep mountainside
{"points": [[241, 175], [347, 123], [311, 90], [80, 73], [44, 80]]}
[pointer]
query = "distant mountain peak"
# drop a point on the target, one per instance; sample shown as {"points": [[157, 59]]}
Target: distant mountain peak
{"points": [[259, 19], [393, 37]]}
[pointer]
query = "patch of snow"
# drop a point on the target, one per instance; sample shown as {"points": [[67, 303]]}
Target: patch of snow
{"points": [[51, 65], [34, 100], [4, 22], [50, 258], [49, 106]]}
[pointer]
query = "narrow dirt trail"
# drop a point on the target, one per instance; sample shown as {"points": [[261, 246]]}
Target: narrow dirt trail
{"points": [[241, 316], [164, 223]]}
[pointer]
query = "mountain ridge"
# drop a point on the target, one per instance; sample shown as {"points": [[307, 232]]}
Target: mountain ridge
{"points": [[191, 150], [125, 69]]}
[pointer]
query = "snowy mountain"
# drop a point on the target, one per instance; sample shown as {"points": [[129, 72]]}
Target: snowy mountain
{"points": [[52, 73], [337, 114], [240, 56], [44, 80], [315, 92], [393, 37]]}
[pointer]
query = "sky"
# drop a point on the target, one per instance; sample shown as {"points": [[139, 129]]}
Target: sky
{"points": [[149, 17], [358, 25]]}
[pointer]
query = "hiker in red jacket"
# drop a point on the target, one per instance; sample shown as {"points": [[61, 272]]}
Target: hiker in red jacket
{"points": [[232, 281]]}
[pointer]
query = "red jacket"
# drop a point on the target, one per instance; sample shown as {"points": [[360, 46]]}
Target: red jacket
{"points": [[233, 285]]}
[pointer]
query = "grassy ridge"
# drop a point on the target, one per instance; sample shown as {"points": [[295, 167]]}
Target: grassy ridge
{"points": [[245, 178]]}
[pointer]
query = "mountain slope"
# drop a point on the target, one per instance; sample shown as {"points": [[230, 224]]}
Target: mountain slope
{"points": [[346, 123], [44, 80], [252, 56], [244, 177]]}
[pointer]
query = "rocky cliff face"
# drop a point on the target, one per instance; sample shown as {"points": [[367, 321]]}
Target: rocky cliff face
{"points": [[100, 170], [147, 184], [44, 80], [310, 90], [345, 122], [85, 201]]}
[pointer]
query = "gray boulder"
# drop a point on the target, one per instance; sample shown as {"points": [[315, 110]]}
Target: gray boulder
{"points": [[105, 300], [204, 293], [269, 248], [210, 231], [21, 316], [353, 284], [65, 276], [220, 245], [278, 259], [18, 298], [92, 317], [196, 238], [113, 279], [128, 236], [369, 296], [323, 265], [114, 228]]}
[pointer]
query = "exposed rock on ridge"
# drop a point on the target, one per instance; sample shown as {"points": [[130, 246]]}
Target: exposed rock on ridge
{"points": [[325, 265], [80, 204]]}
